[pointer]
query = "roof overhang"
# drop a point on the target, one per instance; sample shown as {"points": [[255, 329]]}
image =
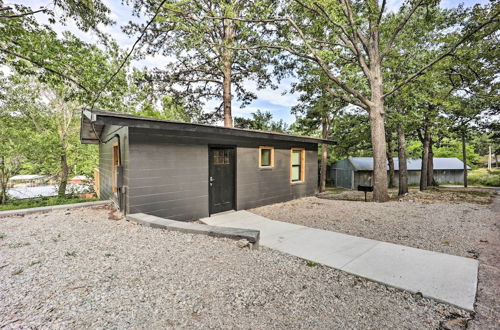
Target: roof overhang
{"points": [[94, 122], [90, 131]]}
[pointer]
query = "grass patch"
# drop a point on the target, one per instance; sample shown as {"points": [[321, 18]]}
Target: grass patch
{"points": [[17, 272], [17, 204], [35, 262], [483, 177], [334, 190], [311, 264], [18, 245], [70, 254], [2, 235]]}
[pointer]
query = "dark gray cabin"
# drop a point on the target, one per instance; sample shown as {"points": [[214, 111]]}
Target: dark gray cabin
{"points": [[353, 171], [185, 171]]}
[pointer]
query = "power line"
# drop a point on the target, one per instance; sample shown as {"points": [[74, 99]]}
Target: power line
{"points": [[128, 55]]}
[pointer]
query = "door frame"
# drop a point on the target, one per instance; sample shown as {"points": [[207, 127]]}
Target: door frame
{"points": [[221, 146]]}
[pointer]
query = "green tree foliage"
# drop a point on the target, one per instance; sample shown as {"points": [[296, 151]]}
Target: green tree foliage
{"points": [[261, 120], [447, 148], [352, 43], [203, 47], [23, 39]]}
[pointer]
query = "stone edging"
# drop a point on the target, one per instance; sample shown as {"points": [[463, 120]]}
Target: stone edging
{"points": [[45, 209]]}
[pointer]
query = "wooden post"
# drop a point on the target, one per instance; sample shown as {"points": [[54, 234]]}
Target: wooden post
{"points": [[489, 159]]}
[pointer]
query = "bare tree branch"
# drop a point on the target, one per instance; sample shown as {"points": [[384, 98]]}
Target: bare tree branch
{"points": [[22, 14], [346, 99]]}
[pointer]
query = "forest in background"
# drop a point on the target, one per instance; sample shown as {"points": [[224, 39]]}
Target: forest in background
{"points": [[439, 68]]}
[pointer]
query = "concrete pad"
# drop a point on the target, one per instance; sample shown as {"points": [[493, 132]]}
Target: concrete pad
{"points": [[245, 219], [446, 278], [328, 248], [436, 275]]}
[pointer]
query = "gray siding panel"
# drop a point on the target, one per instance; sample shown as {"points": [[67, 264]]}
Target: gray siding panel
{"points": [[105, 161], [441, 177], [168, 175], [257, 187]]}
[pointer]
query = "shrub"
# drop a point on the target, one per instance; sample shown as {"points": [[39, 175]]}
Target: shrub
{"points": [[484, 177]]}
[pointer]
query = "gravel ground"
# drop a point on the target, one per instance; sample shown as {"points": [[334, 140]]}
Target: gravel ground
{"points": [[449, 228], [78, 269], [465, 229]]}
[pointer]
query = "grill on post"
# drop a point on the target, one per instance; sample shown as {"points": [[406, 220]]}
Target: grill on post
{"points": [[365, 189]]}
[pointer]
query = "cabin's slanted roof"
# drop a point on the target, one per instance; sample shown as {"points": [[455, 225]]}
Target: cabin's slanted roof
{"points": [[93, 123], [366, 164]]}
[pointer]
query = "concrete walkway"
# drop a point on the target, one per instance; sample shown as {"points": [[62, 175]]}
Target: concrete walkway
{"points": [[444, 277]]}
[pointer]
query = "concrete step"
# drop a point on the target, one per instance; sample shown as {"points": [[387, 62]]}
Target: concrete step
{"points": [[251, 235]]}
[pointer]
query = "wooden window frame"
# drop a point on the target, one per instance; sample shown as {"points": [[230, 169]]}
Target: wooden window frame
{"points": [[115, 161], [302, 165], [271, 156]]}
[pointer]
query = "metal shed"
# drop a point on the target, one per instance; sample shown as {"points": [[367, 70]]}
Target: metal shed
{"points": [[353, 171], [185, 171]]}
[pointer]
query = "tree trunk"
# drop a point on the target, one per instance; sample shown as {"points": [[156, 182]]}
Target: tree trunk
{"points": [[227, 63], [430, 165], [64, 176], [3, 196], [425, 160], [403, 169], [496, 161], [324, 153], [390, 160], [380, 193], [3, 181], [464, 155]]}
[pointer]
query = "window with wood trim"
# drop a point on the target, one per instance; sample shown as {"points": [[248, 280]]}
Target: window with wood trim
{"points": [[266, 157], [297, 165], [115, 161]]}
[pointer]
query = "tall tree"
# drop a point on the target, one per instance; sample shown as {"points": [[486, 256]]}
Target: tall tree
{"points": [[359, 36], [316, 111], [205, 63]]}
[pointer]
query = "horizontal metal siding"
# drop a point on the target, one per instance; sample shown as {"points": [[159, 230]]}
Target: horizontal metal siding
{"points": [[261, 186], [168, 177], [168, 174], [441, 177], [105, 161]]}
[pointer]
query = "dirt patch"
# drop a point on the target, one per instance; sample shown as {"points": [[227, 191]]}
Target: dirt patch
{"points": [[482, 196]]}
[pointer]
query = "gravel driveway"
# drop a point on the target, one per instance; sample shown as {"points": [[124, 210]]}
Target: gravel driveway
{"points": [[449, 228], [77, 269], [464, 229]]}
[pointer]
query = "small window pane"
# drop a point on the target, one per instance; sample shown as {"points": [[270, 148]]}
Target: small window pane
{"points": [[296, 157], [221, 157], [265, 157], [295, 173]]}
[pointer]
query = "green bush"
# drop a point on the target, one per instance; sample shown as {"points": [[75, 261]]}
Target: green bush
{"points": [[484, 177], [15, 204]]}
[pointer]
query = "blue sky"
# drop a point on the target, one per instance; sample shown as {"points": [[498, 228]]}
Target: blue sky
{"points": [[275, 101]]}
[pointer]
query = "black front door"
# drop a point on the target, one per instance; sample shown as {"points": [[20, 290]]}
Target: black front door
{"points": [[221, 179]]}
